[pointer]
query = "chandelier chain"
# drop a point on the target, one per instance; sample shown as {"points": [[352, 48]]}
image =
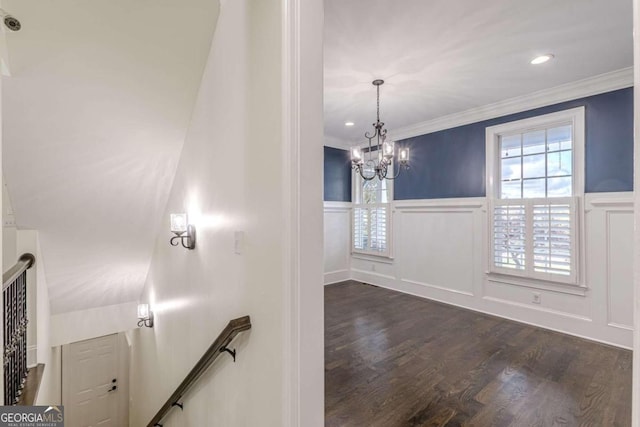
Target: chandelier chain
{"points": [[378, 104]]}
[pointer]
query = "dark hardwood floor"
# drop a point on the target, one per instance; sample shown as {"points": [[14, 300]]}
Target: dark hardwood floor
{"points": [[397, 360]]}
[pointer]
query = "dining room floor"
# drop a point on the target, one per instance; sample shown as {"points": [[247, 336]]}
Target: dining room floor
{"points": [[393, 359]]}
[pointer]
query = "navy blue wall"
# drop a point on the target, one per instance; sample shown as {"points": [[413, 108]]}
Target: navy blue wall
{"points": [[337, 175], [451, 163]]}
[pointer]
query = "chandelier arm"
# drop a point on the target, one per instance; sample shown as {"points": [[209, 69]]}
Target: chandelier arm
{"points": [[382, 171], [400, 167], [369, 178], [370, 136]]}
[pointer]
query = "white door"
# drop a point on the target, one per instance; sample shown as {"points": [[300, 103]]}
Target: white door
{"points": [[90, 382]]}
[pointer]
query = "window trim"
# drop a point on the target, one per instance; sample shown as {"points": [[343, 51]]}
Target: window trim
{"points": [[576, 116], [388, 254]]}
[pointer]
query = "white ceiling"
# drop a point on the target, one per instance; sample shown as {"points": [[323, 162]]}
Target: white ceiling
{"points": [[94, 118], [439, 57]]}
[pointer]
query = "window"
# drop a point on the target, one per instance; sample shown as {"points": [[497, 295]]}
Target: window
{"points": [[534, 180], [371, 216]]}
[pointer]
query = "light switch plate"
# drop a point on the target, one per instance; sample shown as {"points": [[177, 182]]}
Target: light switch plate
{"points": [[238, 242]]}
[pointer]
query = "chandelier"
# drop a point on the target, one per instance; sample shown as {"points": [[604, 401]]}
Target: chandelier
{"points": [[375, 162]]}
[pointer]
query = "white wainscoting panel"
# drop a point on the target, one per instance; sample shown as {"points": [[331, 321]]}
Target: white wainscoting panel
{"points": [[337, 241], [620, 268], [440, 252], [437, 248]]}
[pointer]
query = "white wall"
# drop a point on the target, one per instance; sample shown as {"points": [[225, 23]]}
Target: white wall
{"points": [[305, 297], [50, 391], [229, 179], [440, 249], [337, 242], [9, 238], [81, 325]]}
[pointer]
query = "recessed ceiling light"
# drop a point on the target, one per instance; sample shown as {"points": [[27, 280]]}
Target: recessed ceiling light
{"points": [[349, 123], [541, 59]]}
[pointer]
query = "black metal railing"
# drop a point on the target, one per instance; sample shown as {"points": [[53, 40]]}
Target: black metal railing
{"points": [[14, 296], [220, 345]]}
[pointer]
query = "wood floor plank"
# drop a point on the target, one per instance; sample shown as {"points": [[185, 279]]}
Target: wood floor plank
{"points": [[395, 360]]}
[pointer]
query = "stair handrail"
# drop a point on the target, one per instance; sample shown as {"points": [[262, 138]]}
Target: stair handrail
{"points": [[220, 345], [25, 262]]}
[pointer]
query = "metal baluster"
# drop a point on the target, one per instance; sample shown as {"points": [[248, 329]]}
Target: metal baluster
{"points": [[18, 376], [23, 330], [14, 313], [15, 329], [12, 353], [21, 366], [20, 370], [5, 328], [14, 307]]}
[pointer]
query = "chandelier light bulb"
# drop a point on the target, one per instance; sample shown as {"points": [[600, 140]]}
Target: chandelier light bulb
{"points": [[356, 154], [404, 155]]}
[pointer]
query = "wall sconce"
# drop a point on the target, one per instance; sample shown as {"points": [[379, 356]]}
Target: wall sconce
{"points": [[184, 232], [145, 316]]}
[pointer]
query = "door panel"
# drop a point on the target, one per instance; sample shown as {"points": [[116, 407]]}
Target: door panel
{"points": [[89, 369]]}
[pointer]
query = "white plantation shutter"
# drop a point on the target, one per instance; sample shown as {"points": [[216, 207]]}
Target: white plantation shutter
{"points": [[360, 229], [535, 238], [370, 228], [509, 229], [553, 237], [378, 217]]}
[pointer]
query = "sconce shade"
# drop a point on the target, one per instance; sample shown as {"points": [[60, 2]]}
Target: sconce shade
{"points": [[388, 147], [356, 155], [143, 311], [179, 223]]}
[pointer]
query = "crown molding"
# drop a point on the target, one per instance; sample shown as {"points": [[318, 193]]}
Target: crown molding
{"points": [[602, 83]]}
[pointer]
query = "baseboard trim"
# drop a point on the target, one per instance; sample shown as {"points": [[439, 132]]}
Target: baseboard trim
{"points": [[336, 276]]}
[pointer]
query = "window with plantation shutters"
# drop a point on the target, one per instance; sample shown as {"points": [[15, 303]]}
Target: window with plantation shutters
{"points": [[371, 216], [535, 238], [534, 183]]}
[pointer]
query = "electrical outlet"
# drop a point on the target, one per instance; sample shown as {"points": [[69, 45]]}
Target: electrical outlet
{"points": [[536, 298]]}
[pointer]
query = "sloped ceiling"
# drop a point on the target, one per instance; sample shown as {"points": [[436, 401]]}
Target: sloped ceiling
{"points": [[439, 57], [94, 117]]}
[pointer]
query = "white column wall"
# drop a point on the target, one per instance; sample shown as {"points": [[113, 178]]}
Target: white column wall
{"points": [[230, 179]]}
